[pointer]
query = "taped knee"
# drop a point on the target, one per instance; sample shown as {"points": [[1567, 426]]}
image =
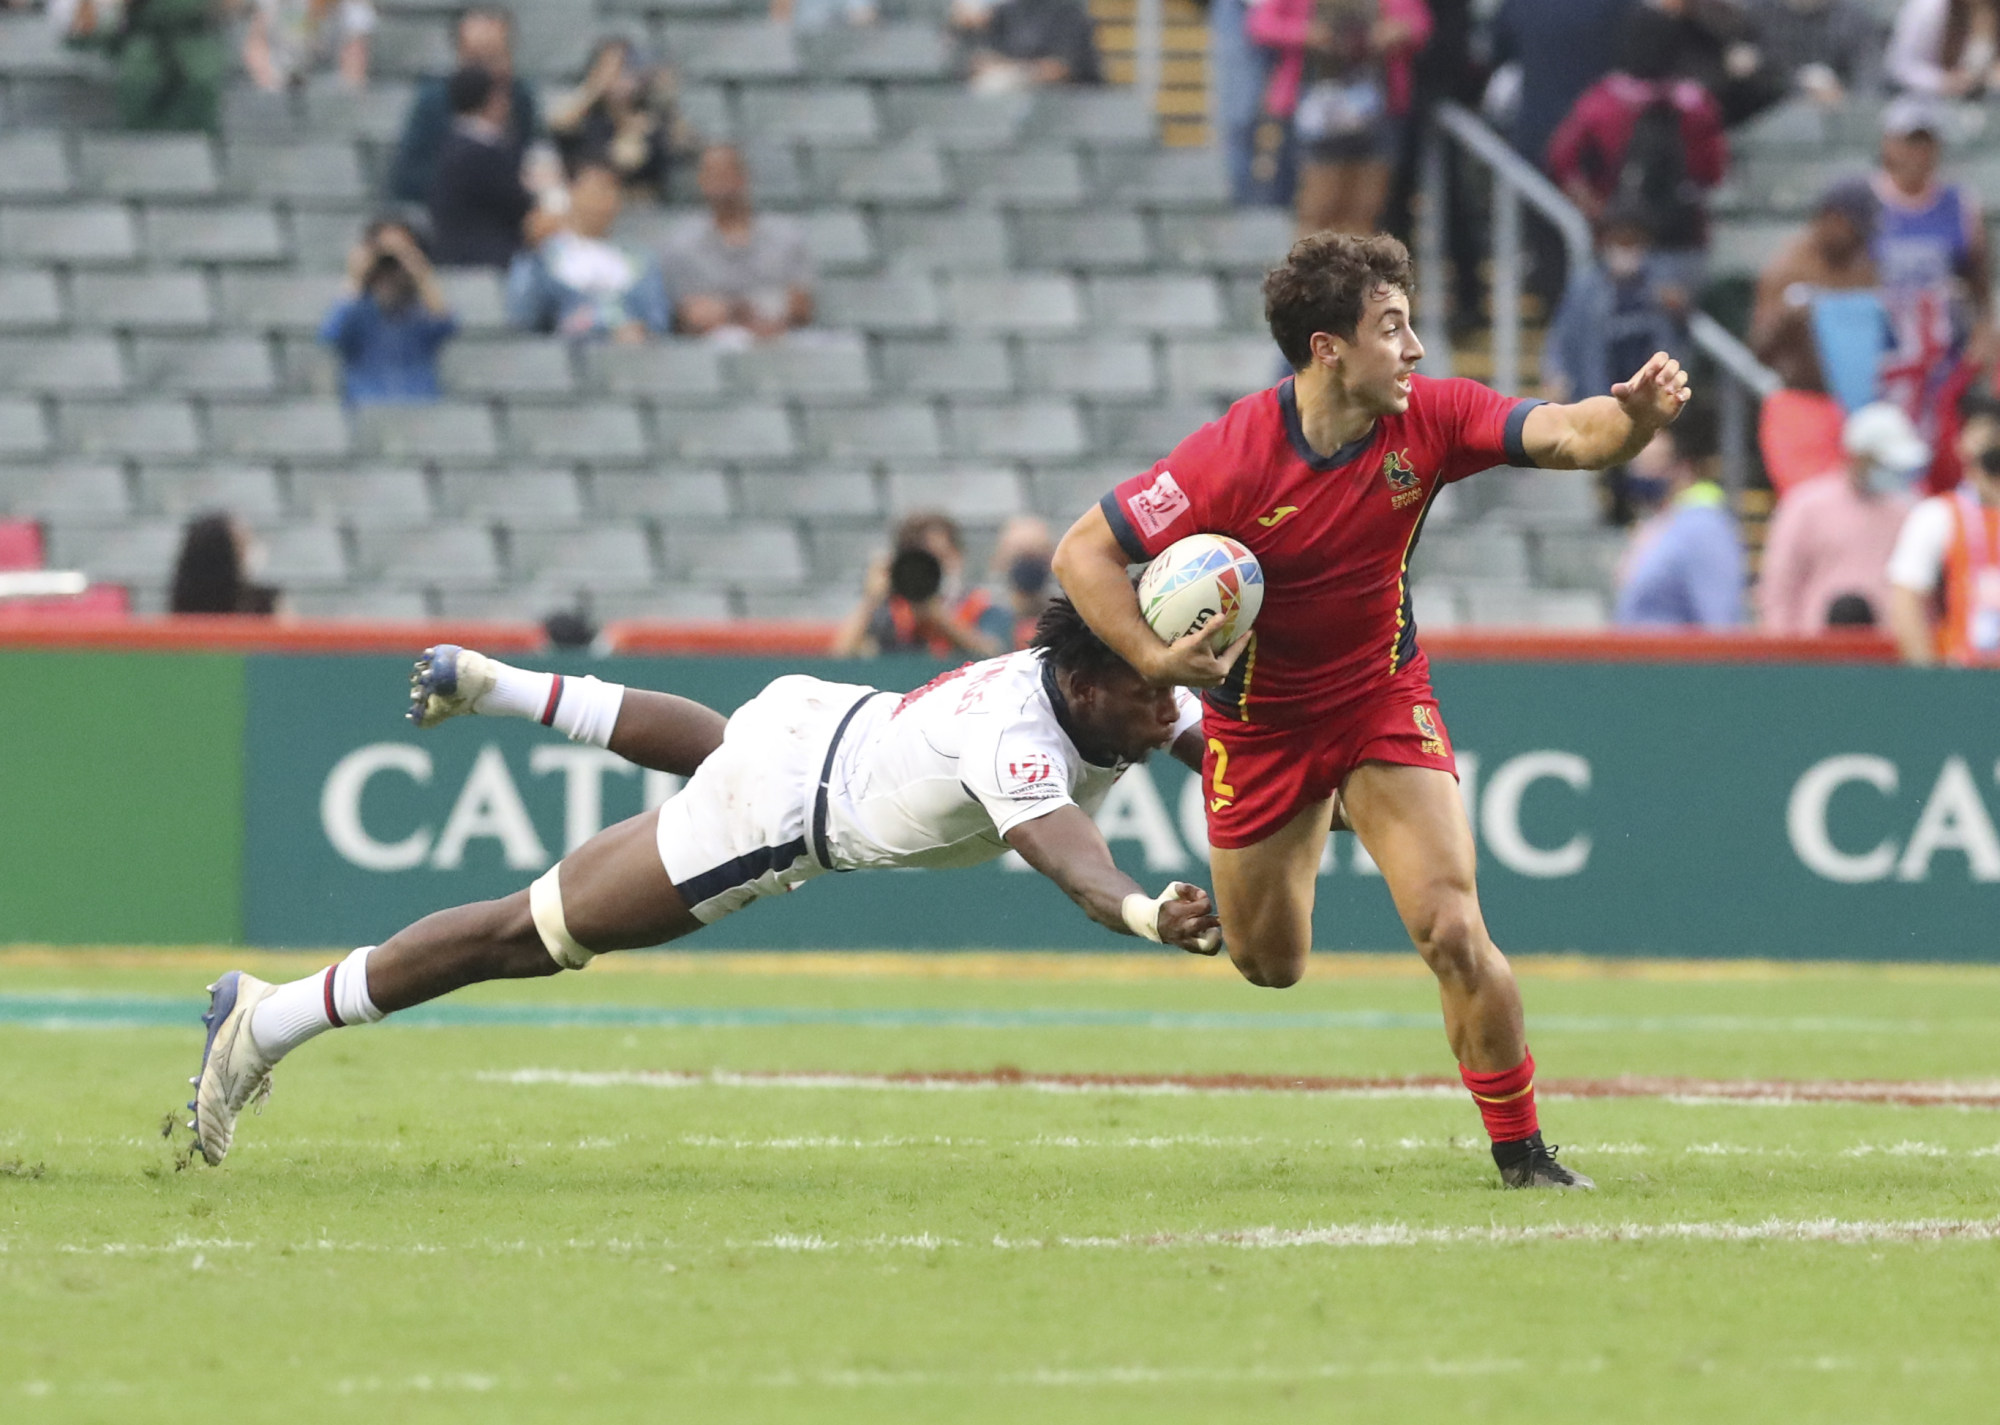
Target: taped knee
{"points": [[545, 905]]}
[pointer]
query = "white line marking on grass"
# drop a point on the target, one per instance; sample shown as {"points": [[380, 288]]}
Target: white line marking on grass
{"points": [[1774, 1092]]}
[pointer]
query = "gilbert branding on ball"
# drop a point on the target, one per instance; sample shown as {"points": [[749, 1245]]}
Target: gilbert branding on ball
{"points": [[1203, 581]]}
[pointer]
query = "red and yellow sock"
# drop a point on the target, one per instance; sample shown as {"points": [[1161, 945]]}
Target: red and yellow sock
{"points": [[1506, 1100]]}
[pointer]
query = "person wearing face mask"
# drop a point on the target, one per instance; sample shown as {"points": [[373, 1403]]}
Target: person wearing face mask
{"points": [[1944, 575], [1612, 317], [1019, 584], [1684, 566], [395, 319], [1832, 535]]}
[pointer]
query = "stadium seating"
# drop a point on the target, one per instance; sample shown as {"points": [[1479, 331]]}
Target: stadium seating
{"points": [[1021, 300]]}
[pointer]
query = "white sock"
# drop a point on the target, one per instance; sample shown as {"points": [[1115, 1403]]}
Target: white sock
{"points": [[584, 709], [296, 1012]]}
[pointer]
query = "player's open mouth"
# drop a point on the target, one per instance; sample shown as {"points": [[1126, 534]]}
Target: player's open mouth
{"points": [[1403, 382]]}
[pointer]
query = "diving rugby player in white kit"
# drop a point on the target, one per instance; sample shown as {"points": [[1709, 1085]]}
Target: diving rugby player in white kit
{"points": [[807, 777]]}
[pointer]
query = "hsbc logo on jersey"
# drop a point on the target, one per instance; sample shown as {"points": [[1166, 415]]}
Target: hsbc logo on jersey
{"points": [[1158, 505]]}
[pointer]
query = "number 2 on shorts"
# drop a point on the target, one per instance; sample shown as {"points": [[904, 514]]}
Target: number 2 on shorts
{"points": [[1215, 783]]}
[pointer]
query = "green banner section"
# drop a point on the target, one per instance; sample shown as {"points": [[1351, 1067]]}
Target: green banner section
{"points": [[1699, 810], [121, 797]]}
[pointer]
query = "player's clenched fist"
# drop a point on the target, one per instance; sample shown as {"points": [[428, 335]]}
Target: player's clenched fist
{"points": [[1188, 920]]}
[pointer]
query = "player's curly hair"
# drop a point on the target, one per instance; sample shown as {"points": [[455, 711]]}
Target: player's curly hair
{"points": [[1072, 644], [1323, 283]]}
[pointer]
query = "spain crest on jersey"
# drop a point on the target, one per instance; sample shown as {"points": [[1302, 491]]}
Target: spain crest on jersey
{"points": [[1427, 729], [1405, 486]]}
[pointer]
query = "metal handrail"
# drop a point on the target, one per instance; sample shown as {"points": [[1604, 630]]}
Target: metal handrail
{"points": [[1515, 180]]}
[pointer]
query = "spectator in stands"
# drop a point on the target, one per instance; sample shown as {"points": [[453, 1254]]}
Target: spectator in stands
{"points": [[912, 601], [1019, 586], [579, 282], [285, 38], [1822, 50], [1799, 427], [213, 574], [1256, 149], [479, 203], [620, 115], [485, 38], [1684, 566], [1832, 535], [734, 273], [1655, 141], [1344, 78], [1021, 44], [1714, 43], [1936, 280], [1536, 83], [1947, 49], [169, 57], [1616, 315], [392, 323], [1947, 556], [812, 16]]}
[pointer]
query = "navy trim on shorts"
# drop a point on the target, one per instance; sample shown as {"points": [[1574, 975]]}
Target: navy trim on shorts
{"points": [[740, 872], [821, 853], [1121, 529], [1517, 422]]}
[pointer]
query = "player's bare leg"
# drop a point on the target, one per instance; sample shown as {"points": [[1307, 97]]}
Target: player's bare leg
{"points": [[611, 893], [1412, 821], [1264, 895]]}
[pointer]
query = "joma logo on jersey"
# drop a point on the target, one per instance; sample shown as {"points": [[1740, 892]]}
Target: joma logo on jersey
{"points": [[1427, 728], [1405, 486]]}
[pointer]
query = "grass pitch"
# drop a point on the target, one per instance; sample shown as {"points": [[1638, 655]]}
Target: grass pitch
{"points": [[680, 1188]]}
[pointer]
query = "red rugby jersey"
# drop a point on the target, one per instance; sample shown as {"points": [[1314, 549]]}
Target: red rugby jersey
{"points": [[1334, 533]]}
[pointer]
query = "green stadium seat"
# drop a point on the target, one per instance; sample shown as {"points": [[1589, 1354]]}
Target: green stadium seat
{"points": [[658, 370], [948, 366], [278, 301], [745, 554], [673, 603], [72, 491], [153, 428], [757, 433], [898, 301], [1109, 117], [34, 165], [29, 299], [817, 114], [304, 555], [1146, 431], [440, 556], [213, 233], [954, 240], [1022, 303], [71, 365], [977, 495], [809, 366], [279, 430], [141, 553], [672, 493], [606, 557], [1228, 366], [74, 233], [372, 602], [379, 498], [533, 499], [1040, 428], [375, 114], [733, 50], [533, 367], [249, 492], [23, 431], [146, 165], [142, 301], [888, 51], [818, 494], [451, 432], [1097, 366], [1156, 303], [1062, 492], [1252, 240], [838, 239], [601, 432], [902, 431], [1166, 178], [29, 45], [957, 120], [204, 366], [319, 172], [911, 173], [1029, 178], [1094, 242]]}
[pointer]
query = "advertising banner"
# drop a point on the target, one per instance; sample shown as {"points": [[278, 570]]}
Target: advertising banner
{"points": [[1687, 809]]}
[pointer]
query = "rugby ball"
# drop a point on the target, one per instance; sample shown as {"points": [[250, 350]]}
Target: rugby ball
{"points": [[1203, 581]]}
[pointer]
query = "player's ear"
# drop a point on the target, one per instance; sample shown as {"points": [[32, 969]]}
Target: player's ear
{"points": [[1325, 348]]}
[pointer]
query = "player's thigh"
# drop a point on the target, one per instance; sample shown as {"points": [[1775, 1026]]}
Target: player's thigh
{"points": [[1264, 896], [1412, 821], [615, 891]]}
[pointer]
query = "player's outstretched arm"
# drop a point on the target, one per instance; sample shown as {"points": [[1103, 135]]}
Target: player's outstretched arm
{"points": [[1090, 566], [1608, 430], [1067, 847]]}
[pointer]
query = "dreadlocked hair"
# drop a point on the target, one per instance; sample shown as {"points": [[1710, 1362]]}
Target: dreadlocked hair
{"points": [[1072, 645]]}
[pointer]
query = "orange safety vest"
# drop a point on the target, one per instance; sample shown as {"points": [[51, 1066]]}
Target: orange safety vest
{"points": [[1969, 634]]}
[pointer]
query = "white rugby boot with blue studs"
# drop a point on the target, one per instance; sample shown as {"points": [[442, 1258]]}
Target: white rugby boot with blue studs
{"points": [[234, 1072], [446, 682]]}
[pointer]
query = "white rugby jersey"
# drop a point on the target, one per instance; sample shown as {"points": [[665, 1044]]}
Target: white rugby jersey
{"points": [[937, 777]]}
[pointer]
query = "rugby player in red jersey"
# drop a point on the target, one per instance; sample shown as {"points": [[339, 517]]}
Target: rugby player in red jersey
{"points": [[1326, 708]]}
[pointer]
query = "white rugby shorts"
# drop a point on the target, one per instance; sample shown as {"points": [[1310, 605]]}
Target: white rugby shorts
{"points": [[744, 825]]}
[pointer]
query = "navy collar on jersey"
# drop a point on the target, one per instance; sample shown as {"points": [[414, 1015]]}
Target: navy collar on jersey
{"points": [[1288, 403], [1060, 706]]}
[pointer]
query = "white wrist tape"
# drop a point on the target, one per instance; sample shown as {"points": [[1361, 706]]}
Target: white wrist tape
{"points": [[1142, 912]]}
